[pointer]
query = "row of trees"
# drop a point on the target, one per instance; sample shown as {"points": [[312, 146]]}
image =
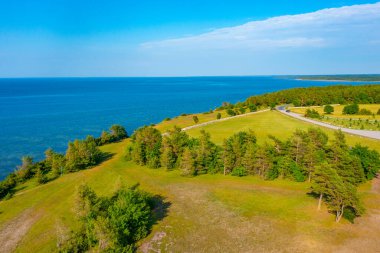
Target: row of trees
{"points": [[109, 224], [342, 94], [334, 168], [80, 154]]}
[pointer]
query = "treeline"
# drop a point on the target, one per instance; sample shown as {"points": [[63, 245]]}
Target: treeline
{"points": [[341, 94], [335, 169], [109, 224], [80, 154]]}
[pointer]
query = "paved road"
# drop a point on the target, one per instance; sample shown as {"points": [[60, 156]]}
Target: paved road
{"points": [[364, 133]]}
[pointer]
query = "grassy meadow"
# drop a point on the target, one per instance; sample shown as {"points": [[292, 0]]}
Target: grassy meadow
{"points": [[337, 118], [338, 109], [208, 213], [187, 120]]}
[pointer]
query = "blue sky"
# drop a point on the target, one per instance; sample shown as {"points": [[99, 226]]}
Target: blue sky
{"points": [[185, 38]]}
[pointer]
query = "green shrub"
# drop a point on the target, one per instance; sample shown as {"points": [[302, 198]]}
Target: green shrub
{"points": [[351, 109], [364, 111], [117, 222], [252, 108], [328, 109], [239, 172], [231, 112], [311, 113], [219, 115]]}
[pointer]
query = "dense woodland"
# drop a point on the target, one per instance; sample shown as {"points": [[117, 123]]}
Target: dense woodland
{"points": [[80, 154], [334, 168], [362, 78], [342, 94]]}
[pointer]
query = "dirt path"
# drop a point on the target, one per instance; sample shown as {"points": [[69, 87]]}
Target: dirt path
{"points": [[365, 133], [13, 231], [224, 119]]}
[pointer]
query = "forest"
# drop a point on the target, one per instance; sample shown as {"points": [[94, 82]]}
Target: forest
{"points": [[334, 169], [340, 94]]}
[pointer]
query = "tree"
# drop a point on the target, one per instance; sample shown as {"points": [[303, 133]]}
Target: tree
{"points": [[249, 158], [311, 113], [195, 119], [337, 194], [263, 161], [219, 115], [296, 102], [242, 110], [105, 138], [168, 157], [118, 132], [351, 109], [25, 171], [207, 154], [328, 109], [55, 162], [81, 154], [369, 159], [146, 146], [252, 107], [187, 163], [234, 149], [112, 224], [347, 166], [41, 177], [231, 112], [173, 146], [298, 146]]}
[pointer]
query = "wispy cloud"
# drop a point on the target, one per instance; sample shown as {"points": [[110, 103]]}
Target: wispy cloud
{"points": [[349, 26]]}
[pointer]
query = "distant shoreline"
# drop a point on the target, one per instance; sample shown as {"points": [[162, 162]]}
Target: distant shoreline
{"points": [[335, 80]]}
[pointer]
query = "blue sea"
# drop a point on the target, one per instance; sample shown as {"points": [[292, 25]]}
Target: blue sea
{"points": [[38, 113]]}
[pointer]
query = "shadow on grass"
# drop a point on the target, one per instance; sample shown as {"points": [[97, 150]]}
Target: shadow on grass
{"points": [[160, 208], [105, 156]]}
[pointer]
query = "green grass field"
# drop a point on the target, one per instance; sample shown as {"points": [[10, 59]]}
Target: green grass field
{"points": [[208, 213], [185, 121], [270, 123], [337, 118], [338, 109]]}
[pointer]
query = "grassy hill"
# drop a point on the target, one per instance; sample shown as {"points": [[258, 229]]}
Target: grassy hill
{"points": [[208, 213]]}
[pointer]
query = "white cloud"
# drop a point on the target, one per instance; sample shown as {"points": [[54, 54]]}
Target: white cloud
{"points": [[336, 27]]}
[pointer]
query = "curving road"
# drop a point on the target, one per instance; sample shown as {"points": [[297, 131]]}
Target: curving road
{"points": [[365, 133]]}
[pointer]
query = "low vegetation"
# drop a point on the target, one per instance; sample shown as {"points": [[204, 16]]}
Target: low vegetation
{"points": [[80, 155], [363, 116], [112, 224]]}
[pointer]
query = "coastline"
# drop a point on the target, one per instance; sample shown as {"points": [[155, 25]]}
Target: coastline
{"points": [[346, 81]]}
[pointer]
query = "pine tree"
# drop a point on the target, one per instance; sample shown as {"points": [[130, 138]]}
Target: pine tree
{"points": [[249, 158], [168, 157], [187, 163], [228, 158], [263, 161], [41, 177]]}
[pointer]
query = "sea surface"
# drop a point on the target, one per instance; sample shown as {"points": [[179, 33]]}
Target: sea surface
{"points": [[39, 113]]}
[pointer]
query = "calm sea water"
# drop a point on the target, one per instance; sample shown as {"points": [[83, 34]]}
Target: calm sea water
{"points": [[36, 114]]}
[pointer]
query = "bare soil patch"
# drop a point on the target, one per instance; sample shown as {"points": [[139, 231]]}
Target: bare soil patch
{"points": [[13, 231]]}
